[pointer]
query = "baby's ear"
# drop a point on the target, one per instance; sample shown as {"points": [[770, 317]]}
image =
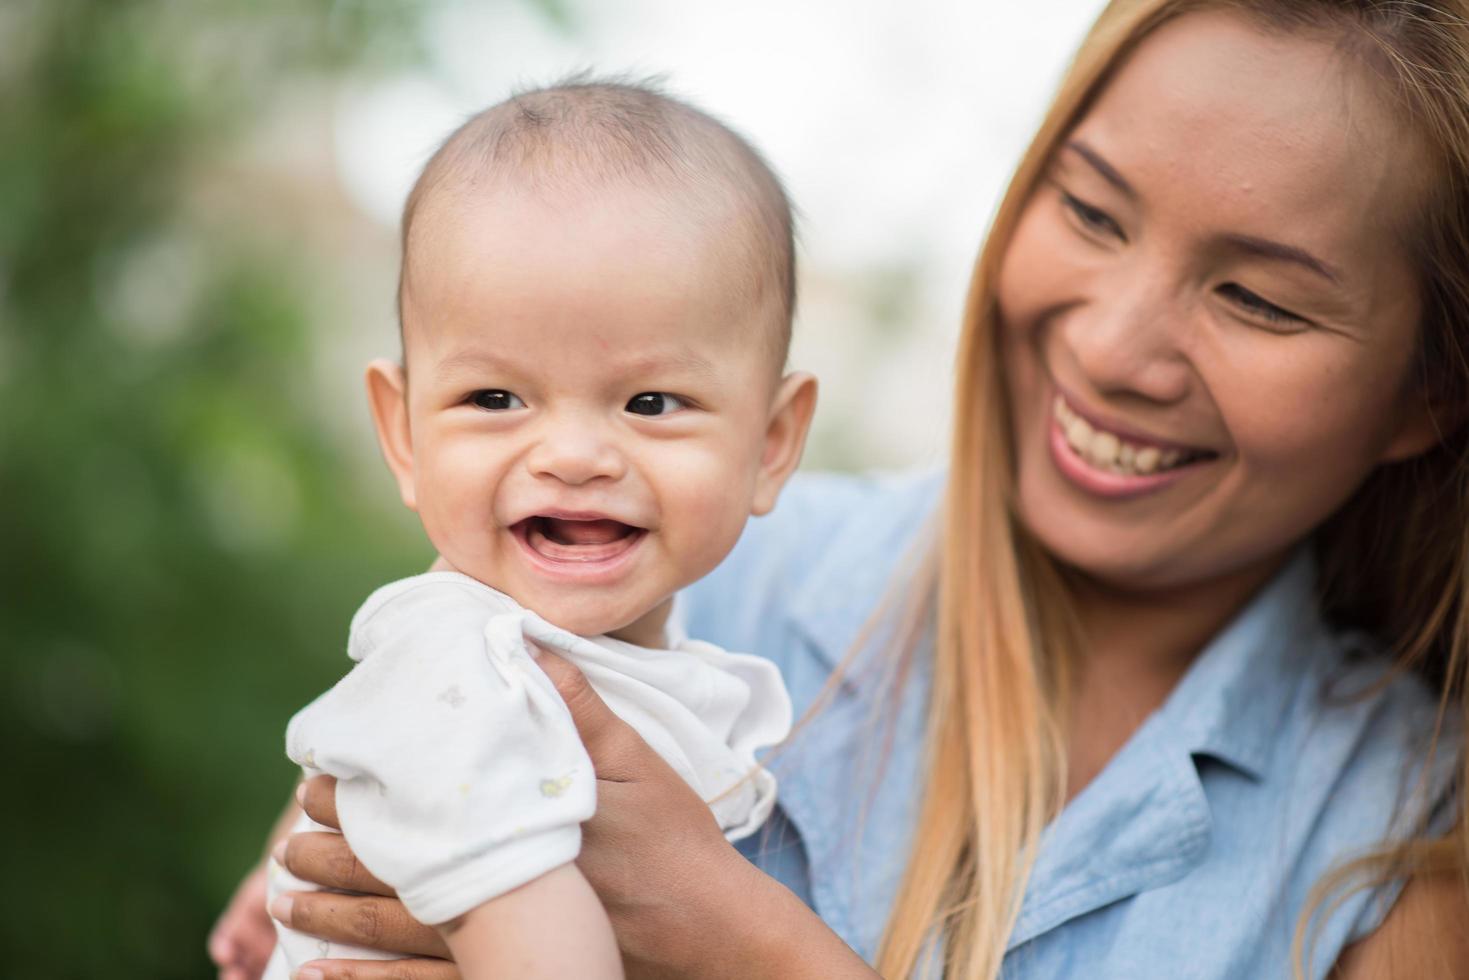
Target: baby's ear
{"points": [[785, 438], [387, 396]]}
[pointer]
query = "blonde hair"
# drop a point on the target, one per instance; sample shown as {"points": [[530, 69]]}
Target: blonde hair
{"points": [[1005, 635]]}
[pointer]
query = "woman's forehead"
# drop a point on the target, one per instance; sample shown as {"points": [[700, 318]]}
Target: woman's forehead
{"points": [[1223, 114]]}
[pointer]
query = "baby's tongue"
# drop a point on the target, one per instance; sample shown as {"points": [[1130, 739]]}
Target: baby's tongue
{"points": [[583, 532]]}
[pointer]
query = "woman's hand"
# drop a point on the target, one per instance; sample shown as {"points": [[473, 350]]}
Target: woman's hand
{"points": [[682, 901], [375, 918], [653, 851]]}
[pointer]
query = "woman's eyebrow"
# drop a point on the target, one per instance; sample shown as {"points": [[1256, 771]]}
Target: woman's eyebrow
{"points": [[1262, 247], [1281, 252], [1108, 172]]}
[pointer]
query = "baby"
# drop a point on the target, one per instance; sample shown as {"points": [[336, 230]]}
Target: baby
{"points": [[596, 300]]}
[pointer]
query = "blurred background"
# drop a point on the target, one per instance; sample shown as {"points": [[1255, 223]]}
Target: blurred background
{"points": [[197, 255]]}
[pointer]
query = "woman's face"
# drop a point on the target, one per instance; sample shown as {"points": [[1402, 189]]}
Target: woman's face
{"points": [[1207, 311]]}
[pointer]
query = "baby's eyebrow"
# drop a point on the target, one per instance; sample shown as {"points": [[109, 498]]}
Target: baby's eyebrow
{"points": [[466, 359], [681, 361], [687, 361]]}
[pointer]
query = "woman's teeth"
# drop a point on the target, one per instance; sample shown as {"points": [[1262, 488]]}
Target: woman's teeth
{"points": [[1107, 451]]}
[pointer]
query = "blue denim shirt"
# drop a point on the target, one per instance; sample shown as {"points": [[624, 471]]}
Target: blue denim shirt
{"points": [[1190, 856]]}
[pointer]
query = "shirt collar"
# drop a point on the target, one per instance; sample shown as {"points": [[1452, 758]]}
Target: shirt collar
{"points": [[1230, 703], [1145, 821]]}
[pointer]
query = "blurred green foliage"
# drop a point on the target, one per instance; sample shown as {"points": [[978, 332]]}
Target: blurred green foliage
{"points": [[182, 543]]}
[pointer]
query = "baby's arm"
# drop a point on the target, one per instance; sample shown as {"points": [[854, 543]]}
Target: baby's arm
{"points": [[551, 927], [462, 783]]}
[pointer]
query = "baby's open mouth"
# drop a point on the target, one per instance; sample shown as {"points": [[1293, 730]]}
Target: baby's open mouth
{"points": [[577, 539]]}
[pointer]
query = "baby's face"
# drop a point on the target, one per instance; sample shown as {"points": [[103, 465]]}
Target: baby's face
{"points": [[590, 411]]}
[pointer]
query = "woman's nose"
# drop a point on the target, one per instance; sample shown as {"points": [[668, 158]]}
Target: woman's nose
{"points": [[1132, 337], [576, 452]]}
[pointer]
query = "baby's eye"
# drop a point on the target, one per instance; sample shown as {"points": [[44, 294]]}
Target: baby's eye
{"points": [[496, 400], [654, 403]]}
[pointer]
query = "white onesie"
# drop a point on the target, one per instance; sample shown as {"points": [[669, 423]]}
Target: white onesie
{"points": [[460, 773]]}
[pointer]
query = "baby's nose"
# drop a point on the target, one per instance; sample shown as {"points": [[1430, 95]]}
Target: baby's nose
{"points": [[575, 454]]}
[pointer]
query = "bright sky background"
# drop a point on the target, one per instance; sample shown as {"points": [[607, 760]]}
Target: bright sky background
{"points": [[895, 127]]}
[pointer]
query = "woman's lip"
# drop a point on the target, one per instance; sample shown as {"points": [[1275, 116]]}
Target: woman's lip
{"points": [[596, 564], [1124, 432], [1105, 484]]}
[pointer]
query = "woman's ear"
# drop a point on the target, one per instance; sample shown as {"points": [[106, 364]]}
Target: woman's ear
{"points": [[387, 397], [785, 438], [1425, 423]]}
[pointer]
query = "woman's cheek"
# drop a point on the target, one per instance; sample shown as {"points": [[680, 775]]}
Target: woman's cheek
{"points": [[1015, 289], [1044, 266], [1289, 412], [1028, 290]]}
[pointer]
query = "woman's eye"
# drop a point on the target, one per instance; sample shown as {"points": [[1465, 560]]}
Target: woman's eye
{"points": [[1094, 219], [654, 403], [1260, 307], [496, 400]]}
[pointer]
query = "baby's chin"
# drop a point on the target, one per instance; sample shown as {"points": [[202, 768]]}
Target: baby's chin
{"points": [[577, 615], [581, 611]]}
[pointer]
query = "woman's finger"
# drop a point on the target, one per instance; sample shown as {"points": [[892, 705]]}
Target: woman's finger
{"points": [[325, 859], [618, 752], [318, 797], [362, 920], [379, 970]]}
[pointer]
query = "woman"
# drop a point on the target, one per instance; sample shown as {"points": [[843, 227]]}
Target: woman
{"points": [[1124, 708]]}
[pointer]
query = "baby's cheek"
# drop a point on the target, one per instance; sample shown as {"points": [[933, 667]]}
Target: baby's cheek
{"points": [[456, 496], [705, 507]]}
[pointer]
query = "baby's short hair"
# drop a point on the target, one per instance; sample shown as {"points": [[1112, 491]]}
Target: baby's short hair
{"points": [[591, 132]]}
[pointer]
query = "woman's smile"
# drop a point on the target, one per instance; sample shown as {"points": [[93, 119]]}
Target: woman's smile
{"points": [[1110, 461]]}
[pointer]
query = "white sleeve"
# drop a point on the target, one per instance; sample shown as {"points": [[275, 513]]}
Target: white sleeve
{"points": [[460, 772]]}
